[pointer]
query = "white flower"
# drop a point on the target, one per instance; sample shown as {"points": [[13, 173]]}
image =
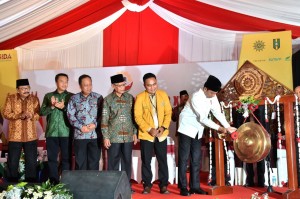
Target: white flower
{"points": [[21, 166], [246, 114], [48, 197], [37, 195], [29, 190]]}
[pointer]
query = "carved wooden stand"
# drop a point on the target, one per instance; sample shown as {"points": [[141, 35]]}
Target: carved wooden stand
{"points": [[293, 190], [220, 178]]}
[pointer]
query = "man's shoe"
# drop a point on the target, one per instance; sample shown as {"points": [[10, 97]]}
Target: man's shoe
{"points": [[184, 192], [164, 190], [249, 185], [260, 185], [228, 184], [212, 183], [198, 191], [146, 190]]}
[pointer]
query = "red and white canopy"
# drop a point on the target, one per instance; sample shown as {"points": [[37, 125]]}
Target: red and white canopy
{"points": [[81, 33]]}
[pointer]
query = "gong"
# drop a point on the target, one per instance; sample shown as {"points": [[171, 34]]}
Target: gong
{"points": [[253, 143]]}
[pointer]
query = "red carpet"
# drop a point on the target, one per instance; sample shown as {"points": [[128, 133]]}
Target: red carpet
{"points": [[239, 192]]}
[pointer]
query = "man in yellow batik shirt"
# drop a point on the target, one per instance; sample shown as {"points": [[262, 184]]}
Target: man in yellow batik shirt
{"points": [[21, 110]]}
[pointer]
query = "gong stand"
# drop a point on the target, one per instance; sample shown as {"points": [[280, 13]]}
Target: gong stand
{"points": [[293, 190], [220, 187]]}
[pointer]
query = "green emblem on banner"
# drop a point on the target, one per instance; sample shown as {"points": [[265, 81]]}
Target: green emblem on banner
{"points": [[259, 45], [276, 44]]}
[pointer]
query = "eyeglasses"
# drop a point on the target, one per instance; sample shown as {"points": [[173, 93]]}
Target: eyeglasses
{"points": [[120, 85]]}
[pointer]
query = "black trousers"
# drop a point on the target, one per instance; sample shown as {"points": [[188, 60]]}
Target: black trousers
{"points": [[260, 167], [87, 154], [188, 146], [14, 154], [160, 150], [123, 152], [54, 145]]}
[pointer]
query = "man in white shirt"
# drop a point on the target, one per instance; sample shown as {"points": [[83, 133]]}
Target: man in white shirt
{"points": [[192, 121]]}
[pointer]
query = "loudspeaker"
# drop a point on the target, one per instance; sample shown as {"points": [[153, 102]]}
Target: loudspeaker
{"points": [[97, 184]]}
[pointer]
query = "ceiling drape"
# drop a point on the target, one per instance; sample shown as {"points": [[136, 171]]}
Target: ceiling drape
{"points": [[148, 32]]}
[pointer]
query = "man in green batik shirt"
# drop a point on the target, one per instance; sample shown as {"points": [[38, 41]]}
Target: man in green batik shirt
{"points": [[117, 126], [58, 128]]}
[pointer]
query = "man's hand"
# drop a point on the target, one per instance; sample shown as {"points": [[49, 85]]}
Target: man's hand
{"points": [[23, 116], [60, 105], [28, 115], [53, 101], [153, 132], [91, 126], [222, 130], [85, 129], [135, 139], [107, 143], [231, 129], [160, 131]]}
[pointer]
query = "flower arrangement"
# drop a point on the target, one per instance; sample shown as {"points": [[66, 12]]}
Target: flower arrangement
{"points": [[247, 105], [44, 191], [22, 167]]}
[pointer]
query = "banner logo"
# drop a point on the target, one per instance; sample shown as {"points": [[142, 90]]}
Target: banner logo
{"points": [[128, 80], [5, 57], [276, 43], [259, 45]]}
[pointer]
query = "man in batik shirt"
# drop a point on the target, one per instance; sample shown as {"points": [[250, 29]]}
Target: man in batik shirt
{"points": [[22, 110], [58, 127], [83, 110], [117, 127]]}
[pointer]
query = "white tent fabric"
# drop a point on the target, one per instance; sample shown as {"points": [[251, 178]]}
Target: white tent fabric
{"points": [[79, 49], [197, 42], [134, 7], [19, 16], [274, 10]]}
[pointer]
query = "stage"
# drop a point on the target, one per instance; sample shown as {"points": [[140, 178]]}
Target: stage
{"points": [[239, 192]]}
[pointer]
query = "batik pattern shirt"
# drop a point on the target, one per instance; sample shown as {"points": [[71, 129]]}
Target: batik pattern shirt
{"points": [[117, 122], [57, 122], [82, 111], [21, 130]]}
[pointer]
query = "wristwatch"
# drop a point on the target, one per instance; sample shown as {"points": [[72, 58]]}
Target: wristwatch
{"points": [[164, 128]]}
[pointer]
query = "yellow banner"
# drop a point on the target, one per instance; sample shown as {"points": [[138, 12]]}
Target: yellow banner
{"points": [[271, 52], [8, 73]]}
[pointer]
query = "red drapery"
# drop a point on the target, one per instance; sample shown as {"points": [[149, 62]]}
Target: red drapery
{"points": [[86, 14], [139, 39], [144, 38], [221, 18]]}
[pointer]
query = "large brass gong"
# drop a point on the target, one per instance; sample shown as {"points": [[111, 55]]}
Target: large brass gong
{"points": [[253, 143]]}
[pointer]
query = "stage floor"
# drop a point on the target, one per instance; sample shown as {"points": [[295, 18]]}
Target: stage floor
{"points": [[239, 192]]}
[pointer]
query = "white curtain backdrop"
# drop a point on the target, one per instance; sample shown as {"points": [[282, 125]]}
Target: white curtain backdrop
{"points": [[19, 16], [79, 49], [286, 11]]}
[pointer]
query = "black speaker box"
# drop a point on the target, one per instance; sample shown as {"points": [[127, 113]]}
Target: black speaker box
{"points": [[97, 184]]}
